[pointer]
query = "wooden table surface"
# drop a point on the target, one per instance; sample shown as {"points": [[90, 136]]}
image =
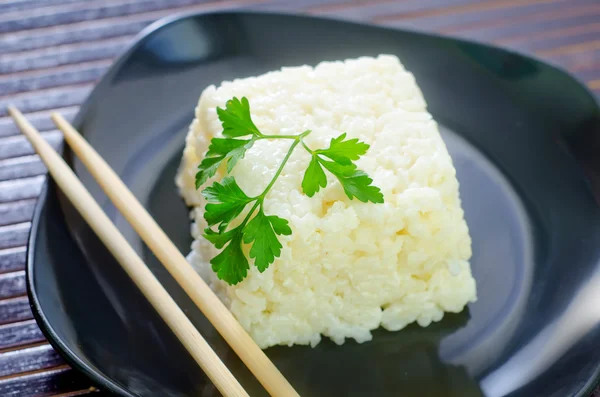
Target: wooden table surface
{"points": [[52, 52]]}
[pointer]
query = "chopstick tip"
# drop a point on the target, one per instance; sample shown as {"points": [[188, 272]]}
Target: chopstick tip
{"points": [[60, 121], [12, 110]]}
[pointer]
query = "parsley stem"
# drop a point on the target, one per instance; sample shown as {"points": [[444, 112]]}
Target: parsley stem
{"points": [[278, 172], [307, 148], [256, 204], [261, 198], [294, 137], [278, 137]]}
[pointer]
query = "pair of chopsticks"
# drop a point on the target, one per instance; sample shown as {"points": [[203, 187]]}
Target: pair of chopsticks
{"points": [[156, 239]]}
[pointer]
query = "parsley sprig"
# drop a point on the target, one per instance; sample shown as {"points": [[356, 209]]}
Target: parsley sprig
{"points": [[227, 201]]}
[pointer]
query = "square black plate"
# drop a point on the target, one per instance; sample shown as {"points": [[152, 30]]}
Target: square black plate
{"points": [[525, 140]]}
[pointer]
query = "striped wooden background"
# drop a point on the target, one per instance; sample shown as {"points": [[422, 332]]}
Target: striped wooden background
{"points": [[52, 52]]}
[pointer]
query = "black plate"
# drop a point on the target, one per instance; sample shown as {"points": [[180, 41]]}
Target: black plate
{"points": [[525, 140]]}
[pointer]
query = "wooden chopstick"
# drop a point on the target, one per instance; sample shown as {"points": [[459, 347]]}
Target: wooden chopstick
{"points": [[134, 266], [164, 249]]}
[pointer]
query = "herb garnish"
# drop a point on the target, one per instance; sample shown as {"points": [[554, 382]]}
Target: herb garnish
{"points": [[226, 200]]}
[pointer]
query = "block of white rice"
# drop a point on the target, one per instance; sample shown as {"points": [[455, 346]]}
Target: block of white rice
{"points": [[348, 267]]}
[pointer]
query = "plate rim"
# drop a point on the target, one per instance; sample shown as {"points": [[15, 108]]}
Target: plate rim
{"points": [[96, 376]]}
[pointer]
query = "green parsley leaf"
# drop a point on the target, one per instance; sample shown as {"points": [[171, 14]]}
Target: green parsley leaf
{"points": [[207, 168], [344, 152], [219, 239], [231, 264], [261, 233], [232, 150], [226, 202], [280, 225], [355, 182], [220, 150], [236, 120], [314, 178]]}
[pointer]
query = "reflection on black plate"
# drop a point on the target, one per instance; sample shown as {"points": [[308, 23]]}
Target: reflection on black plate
{"points": [[525, 141]]}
